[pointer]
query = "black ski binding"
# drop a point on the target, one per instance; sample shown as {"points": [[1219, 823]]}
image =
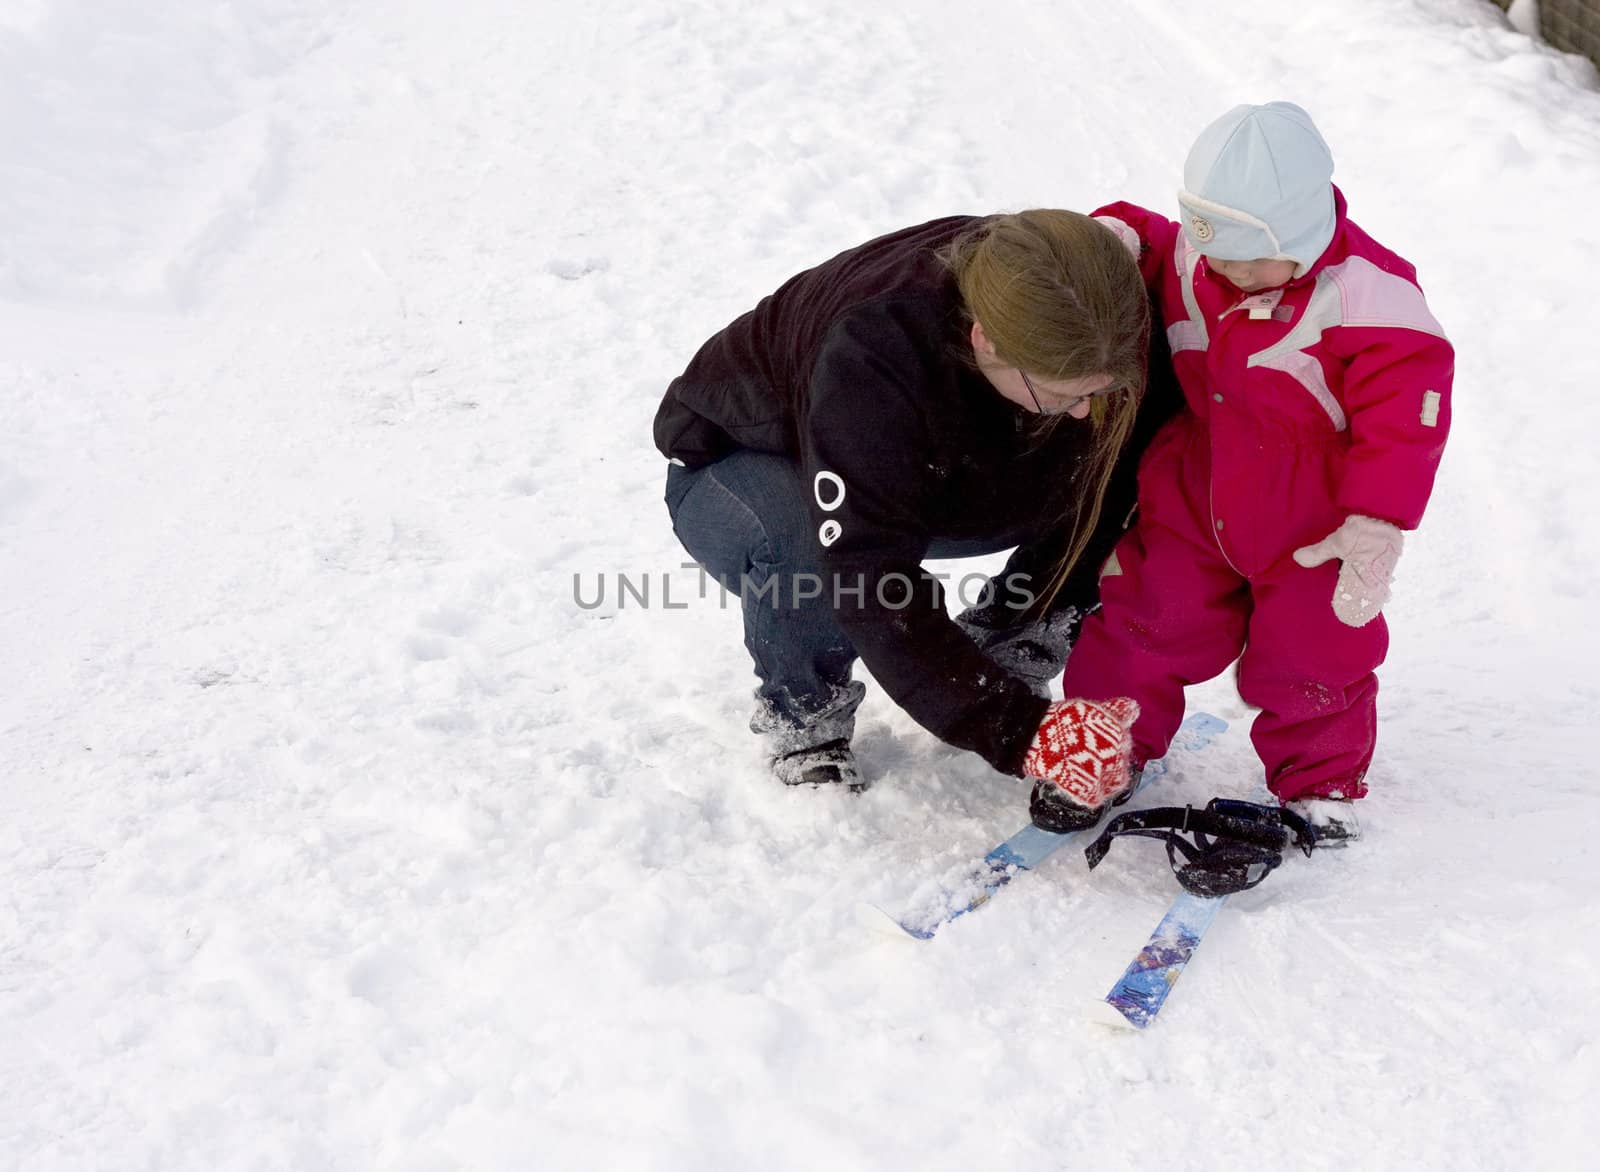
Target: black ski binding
{"points": [[1236, 844]]}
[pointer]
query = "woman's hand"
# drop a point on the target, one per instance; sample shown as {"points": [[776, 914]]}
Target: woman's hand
{"points": [[1082, 757]]}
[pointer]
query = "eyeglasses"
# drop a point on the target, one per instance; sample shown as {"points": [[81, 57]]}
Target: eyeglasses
{"points": [[1063, 408]]}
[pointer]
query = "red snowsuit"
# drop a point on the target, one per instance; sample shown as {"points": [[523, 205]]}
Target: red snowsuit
{"points": [[1321, 398]]}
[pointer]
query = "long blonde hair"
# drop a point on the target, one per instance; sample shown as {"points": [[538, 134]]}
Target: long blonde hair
{"points": [[1060, 297]]}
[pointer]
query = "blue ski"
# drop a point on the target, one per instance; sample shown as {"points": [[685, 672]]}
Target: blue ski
{"points": [[1023, 851], [1143, 989]]}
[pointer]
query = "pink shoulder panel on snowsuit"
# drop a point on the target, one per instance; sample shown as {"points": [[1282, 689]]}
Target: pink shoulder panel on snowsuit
{"points": [[1369, 296], [1354, 292], [1191, 333]]}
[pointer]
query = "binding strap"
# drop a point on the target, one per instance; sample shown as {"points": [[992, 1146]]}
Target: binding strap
{"points": [[1235, 845]]}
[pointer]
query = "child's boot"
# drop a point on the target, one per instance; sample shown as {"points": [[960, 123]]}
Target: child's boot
{"points": [[1332, 820]]}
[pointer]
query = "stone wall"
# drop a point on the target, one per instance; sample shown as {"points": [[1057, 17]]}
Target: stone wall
{"points": [[1572, 25]]}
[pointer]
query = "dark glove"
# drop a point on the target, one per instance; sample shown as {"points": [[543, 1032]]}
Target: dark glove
{"points": [[1034, 652]]}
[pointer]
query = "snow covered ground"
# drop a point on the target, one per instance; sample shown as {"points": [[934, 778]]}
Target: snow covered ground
{"points": [[336, 834]]}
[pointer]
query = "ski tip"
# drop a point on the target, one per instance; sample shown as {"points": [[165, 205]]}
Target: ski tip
{"points": [[1104, 1012], [875, 919]]}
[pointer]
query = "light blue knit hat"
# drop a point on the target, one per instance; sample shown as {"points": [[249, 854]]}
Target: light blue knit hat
{"points": [[1259, 183]]}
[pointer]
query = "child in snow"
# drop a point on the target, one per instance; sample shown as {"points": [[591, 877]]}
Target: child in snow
{"points": [[1272, 510]]}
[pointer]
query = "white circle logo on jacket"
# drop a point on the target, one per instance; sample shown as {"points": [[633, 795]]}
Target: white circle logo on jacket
{"points": [[828, 488], [835, 487]]}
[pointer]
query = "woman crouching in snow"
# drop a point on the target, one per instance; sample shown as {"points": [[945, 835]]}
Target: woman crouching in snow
{"points": [[953, 389]]}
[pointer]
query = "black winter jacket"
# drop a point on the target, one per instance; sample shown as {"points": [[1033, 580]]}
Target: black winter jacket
{"points": [[861, 370]]}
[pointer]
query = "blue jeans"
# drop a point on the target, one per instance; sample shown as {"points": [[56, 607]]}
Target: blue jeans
{"points": [[746, 519]]}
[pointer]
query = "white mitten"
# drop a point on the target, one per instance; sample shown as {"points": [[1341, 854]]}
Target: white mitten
{"points": [[1369, 549]]}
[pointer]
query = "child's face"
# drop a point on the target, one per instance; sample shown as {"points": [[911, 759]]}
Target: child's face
{"points": [[1250, 276]]}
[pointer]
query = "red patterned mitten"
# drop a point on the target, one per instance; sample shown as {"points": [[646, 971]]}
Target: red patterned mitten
{"points": [[1084, 747]]}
